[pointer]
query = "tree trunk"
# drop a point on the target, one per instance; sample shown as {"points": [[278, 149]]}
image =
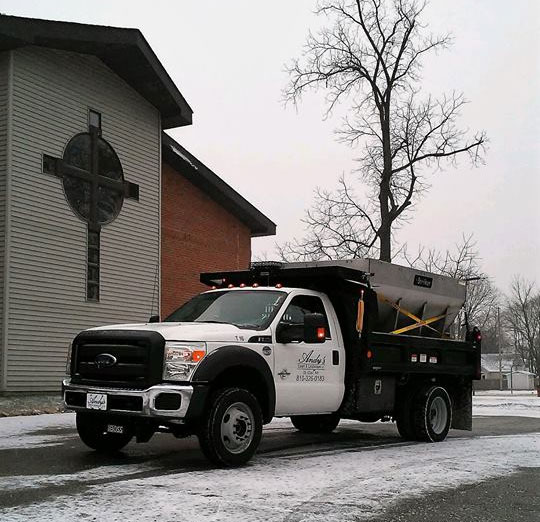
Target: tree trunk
{"points": [[385, 230], [385, 253]]}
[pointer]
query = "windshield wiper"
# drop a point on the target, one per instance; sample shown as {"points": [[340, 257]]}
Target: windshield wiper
{"points": [[214, 322]]}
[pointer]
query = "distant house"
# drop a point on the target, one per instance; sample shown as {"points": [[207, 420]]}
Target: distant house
{"points": [[513, 371]]}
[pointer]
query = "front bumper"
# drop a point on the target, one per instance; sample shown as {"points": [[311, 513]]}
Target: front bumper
{"points": [[131, 402]]}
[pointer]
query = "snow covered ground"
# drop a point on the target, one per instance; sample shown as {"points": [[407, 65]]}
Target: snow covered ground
{"points": [[518, 404], [353, 483]]}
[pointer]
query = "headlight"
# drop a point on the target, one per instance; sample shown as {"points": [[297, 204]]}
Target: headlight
{"points": [[68, 360], [181, 359]]}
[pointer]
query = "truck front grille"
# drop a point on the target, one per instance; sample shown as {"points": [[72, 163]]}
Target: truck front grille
{"points": [[136, 358], [131, 362]]}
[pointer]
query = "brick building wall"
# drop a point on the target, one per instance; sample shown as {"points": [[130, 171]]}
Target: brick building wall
{"points": [[197, 235]]}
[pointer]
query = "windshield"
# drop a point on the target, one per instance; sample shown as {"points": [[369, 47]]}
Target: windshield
{"points": [[245, 309]]}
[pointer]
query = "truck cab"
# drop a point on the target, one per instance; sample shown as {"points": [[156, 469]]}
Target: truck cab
{"points": [[250, 349]]}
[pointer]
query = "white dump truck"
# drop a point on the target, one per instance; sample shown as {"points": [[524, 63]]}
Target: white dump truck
{"points": [[316, 342]]}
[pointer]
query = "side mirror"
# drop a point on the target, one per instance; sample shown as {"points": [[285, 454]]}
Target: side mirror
{"points": [[314, 328], [154, 319], [289, 333]]}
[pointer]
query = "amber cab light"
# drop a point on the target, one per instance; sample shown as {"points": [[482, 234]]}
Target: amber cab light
{"points": [[197, 355]]}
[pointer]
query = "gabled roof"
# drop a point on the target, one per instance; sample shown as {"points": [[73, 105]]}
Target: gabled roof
{"points": [[490, 363], [202, 177], [125, 51]]}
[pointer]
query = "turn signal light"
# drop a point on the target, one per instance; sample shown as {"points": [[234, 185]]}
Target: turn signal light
{"points": [[369, 354], [321, 333], [197, 355]]}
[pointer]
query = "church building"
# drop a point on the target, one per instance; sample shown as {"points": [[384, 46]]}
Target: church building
{"points": [[104, 218]]}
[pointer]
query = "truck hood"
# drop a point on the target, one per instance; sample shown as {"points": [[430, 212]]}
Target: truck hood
{"points": [[190, 331]]}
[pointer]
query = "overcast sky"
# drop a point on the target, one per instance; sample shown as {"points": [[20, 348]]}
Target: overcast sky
{"points": [[227, 58]]}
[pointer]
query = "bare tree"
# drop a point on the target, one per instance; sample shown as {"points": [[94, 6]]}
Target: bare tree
{"points": [[371, 52], [463, 262], [522, 321]]}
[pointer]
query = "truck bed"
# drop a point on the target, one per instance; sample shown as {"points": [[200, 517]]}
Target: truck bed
{"points": [[409, 354]]}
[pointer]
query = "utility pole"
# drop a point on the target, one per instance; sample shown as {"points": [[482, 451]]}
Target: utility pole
{"points": [[499, 346]]}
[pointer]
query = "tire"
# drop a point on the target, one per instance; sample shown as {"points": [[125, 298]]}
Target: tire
{"points": [[316, 423], [92, 431], [431, 414], [232, 428], [403, 416]]}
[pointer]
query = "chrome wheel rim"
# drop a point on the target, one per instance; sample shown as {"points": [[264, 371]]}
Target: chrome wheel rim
{"points": [[438, 415], [237, 427]]}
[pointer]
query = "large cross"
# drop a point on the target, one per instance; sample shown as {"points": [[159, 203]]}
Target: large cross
{"points": [[95, 188]]}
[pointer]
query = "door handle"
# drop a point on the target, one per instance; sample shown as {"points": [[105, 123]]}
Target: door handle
{"points": [[335, 357]]}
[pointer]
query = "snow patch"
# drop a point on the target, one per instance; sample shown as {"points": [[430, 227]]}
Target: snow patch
{"points": [[183, 156], [507, 405], [23, 431], [352, 485]]}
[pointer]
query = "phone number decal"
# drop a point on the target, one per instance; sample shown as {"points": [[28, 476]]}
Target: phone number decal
{"points": [[310, 378]]}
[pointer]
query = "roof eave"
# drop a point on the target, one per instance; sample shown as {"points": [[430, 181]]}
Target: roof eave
{"points": [[125, 51], [201, 176]]}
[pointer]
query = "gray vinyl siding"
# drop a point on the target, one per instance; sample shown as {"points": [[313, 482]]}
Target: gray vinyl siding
{"points": [[4, 67], [52, 92]]}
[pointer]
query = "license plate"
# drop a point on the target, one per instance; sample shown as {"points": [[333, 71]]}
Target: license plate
{"points": [[96, 401], [115, 428]]}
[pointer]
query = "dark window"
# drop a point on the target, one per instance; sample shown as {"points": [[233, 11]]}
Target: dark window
{"points": [[92, 267], [243, 308], [94, 119], [302, 305]]}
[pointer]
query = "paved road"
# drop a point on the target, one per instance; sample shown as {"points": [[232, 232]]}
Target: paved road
{"points": [[505, 499], [165, 455]]}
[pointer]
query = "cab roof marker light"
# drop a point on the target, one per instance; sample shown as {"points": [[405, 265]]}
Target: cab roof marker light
{"points": [[279, 285], [242, 285], [230, 285], [255, 285]]}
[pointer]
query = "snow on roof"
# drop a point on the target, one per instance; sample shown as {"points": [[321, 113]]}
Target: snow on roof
{"points": [[490, 363]]}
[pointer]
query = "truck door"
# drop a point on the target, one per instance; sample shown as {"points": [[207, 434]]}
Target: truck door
{"points": [[309, 378]]}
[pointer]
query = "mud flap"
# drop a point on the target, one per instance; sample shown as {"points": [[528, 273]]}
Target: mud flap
{"points": [[462, 405]]}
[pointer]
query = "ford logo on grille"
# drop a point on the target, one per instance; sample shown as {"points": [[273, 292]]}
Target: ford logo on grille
{"points": [[105, 360]]}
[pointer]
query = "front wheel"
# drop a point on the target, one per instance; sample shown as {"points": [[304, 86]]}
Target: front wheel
{"points": [[232, 428], [316, 423], [94, 431]]}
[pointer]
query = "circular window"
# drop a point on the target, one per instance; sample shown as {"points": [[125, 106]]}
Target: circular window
{"points": [[90, 195]]}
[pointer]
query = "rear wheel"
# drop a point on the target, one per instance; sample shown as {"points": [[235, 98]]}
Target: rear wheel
{"points": [[316, 423], [232, 428], [95, 432], [431, 414]]}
